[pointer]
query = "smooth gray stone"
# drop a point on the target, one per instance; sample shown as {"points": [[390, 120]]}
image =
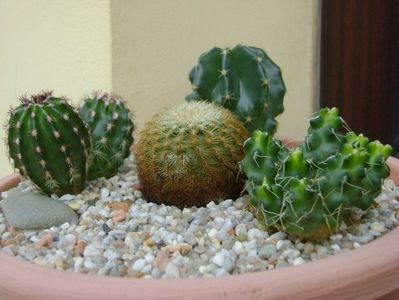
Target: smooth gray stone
{"points": [[35, 211]]}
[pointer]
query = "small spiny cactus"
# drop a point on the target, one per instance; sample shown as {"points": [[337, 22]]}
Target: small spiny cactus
{"points": [[309, 190], [243, 79], [48, 143], [188, 155], [110, 128]]}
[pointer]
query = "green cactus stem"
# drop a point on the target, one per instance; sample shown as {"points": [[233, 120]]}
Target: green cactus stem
{"points": [[243, 79], [188, 155], [309, 190], [110, 127], [47, 143]]}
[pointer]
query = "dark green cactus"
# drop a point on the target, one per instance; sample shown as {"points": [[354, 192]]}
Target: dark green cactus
{"points": [[110, 127], [47, 142], [309, 190], [243, 79]]}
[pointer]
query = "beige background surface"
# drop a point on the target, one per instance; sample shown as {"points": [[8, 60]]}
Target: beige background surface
{"points": [[143, 50]]}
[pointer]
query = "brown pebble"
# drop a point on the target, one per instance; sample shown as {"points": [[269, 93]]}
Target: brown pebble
{"points": [[46, 241], [137, 187], [118, 216], [80, 247], [161, 260], [13, 231], [119, 244], [119, 206], [5, 243], [232, 232], [183, 248], [149, 243]]}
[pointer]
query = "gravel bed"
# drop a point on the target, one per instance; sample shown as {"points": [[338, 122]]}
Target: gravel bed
{"points": [[121, 234]]}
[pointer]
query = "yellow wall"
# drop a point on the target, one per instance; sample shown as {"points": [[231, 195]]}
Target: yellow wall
{"points": [[52, 44], [144, 49], [157, 42]]}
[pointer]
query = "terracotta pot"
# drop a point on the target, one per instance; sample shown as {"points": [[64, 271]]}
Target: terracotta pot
{"points": [[369, 272]]}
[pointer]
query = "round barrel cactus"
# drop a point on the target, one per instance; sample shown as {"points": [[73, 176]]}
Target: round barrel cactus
{"points": [[110, 127], [243, 79], [48, 143], [310, 190], [189, 155]]}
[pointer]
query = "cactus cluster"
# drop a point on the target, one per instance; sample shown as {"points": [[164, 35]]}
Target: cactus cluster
{"points": [[189, 155], [110, 127], [48, 142], [309, 190], [243, 79]]}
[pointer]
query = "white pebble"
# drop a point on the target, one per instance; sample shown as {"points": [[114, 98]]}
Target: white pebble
{"points": [[67, 197], [91, 250], [283, 245], [104, 193], [139, 264], [89, 264], [212, 233], [238, 248], [172, 271], [298, 261], [255, 233], [377, 227], [218, 259], [279, 235]]}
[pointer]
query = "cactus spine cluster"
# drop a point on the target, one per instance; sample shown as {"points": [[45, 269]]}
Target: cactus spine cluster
{"points": [[243, 79], [309, 190], [48, 143], [189, 155], [110, 127]]}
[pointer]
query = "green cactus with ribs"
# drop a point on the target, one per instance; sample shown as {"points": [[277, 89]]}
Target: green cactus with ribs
{"points": [[308, 191], [48, 143], [243, 79], [110, 127]]}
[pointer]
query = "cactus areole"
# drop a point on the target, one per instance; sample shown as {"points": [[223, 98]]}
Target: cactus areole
{"points": [[48, 143], [242, 79], [110, 127], [310, 190], [188, 155]]}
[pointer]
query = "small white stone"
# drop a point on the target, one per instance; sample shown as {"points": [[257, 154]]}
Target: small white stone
{"points": [[67, 197], [377, 227], [104, 193], [238, 248], [78, 263], [172, 271], [67, 243], [111, 255], [336, 248], [149, 258], [255, 233], [283, 245], [279, 235], [218, 259], [91, 250], [89, 264], [139, 264], [2, 228], [212, 233], [298, 261]]}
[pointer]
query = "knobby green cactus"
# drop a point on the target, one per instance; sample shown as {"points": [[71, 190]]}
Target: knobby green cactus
{"points": [[243, 79], [188, 155], [48, 143], [110, 127], [309, 190]]}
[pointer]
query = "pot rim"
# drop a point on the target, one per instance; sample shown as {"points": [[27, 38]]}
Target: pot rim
{"points": [[368, 272]]}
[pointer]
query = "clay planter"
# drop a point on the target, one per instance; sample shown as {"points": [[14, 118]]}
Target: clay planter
{"points": [[368, 272]]}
